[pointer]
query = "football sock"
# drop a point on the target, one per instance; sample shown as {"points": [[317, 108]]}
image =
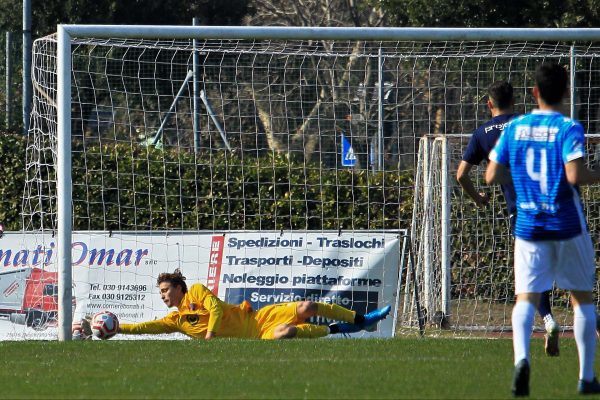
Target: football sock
{"points": [[522, 324], [548, 319], [359, 319], [335, 312], [333, 329], [310, 331], [584, 328], [544, 305]]}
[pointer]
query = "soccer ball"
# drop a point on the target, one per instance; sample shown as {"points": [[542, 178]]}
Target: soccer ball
{"points": [[105, 325]]}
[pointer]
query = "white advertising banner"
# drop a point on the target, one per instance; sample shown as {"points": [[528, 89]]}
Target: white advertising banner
{"points": [[118, 271]]}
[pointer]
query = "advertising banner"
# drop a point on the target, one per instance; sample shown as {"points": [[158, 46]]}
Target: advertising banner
{"points": [[118, 271]]}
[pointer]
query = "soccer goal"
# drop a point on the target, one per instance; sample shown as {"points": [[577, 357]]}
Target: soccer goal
{"points": [[277, 164], [461, 252]]}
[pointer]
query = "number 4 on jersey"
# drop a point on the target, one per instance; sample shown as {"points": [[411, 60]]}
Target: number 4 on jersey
{"points": [[540, 176]]}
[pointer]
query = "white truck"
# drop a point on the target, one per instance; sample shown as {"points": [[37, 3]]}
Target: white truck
{"points": [[29, 296]]}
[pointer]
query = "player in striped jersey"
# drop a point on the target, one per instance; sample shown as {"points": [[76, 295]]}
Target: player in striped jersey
{"points": [[500, 103], [543, 154]]}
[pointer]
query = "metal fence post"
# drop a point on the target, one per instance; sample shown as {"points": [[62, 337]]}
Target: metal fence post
{"points": [[8, 71], [196, 92], [27, 87]]}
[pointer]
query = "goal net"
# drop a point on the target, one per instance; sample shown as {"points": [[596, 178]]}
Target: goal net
{"points": [[463, 254], [198, 154]]}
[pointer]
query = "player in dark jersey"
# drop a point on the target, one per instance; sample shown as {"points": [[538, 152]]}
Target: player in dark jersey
{"points": [[500, 103]]}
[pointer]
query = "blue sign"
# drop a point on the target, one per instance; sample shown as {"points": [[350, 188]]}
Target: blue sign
{"points": [[348, 156], [357, 300]]}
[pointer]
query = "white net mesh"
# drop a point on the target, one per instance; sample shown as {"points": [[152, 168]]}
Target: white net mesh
{"points": [[282, 106], [479, 284], [480, 281]]}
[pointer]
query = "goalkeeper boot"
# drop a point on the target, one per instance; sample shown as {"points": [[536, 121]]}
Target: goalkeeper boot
{"points": [[588, 387], [551, 337], [520, 386], [372, 318]]}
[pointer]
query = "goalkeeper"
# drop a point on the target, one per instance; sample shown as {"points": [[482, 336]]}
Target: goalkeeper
{"points": [[500, 103], [201, 314]]}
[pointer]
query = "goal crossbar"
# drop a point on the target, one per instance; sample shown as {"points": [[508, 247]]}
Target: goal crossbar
{"points": [[67, 32], [328, 33]]}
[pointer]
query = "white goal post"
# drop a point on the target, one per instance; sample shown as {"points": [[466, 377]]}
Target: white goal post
{"points": [[445, 224], [517, 38]]}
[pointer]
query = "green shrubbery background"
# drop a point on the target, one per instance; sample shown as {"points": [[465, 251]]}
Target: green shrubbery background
{"points": [[227, 191], [12, 179], [125, 187]]}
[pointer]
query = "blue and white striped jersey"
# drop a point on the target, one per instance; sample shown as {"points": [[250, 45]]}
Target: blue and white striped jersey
{"points": [[536, 147]]}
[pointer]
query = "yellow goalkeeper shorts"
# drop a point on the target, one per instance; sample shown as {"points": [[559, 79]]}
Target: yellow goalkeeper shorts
{"points": [[270, 317]]}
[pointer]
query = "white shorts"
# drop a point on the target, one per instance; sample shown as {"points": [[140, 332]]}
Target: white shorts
{"points": [[569, 263]]}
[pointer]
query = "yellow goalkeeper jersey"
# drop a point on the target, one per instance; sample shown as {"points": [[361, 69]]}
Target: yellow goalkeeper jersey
{"points": [[200, 311]]}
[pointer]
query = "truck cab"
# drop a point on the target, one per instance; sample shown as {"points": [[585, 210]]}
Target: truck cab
{"points": [[29, 296]]}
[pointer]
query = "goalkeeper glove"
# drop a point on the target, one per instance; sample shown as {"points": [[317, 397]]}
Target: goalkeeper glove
{"points": [[82, 329]]}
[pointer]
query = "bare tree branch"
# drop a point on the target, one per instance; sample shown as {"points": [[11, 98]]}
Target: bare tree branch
{"points": [[336, 74]]}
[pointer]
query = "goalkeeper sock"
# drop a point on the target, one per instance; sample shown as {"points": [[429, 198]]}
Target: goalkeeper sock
{"points": [[310, 331], [336, 313], [522, 324], [333, 329], [584, 328]]}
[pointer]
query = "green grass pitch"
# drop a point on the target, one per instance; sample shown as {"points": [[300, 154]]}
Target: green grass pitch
{"points": [[295, 369]]}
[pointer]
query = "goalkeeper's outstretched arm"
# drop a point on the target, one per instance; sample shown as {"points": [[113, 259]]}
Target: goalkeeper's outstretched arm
{"points": [[150, 327]]}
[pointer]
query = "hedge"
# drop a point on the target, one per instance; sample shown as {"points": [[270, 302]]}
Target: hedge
{"points": [[12, 179], [118, 186]]}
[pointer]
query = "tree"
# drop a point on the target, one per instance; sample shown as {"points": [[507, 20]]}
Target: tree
{"points": [[48, 14], [492, 13], [328, 80]]}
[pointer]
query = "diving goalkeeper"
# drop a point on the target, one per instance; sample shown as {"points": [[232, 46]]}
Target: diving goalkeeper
{"points": [[201, 314]]}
